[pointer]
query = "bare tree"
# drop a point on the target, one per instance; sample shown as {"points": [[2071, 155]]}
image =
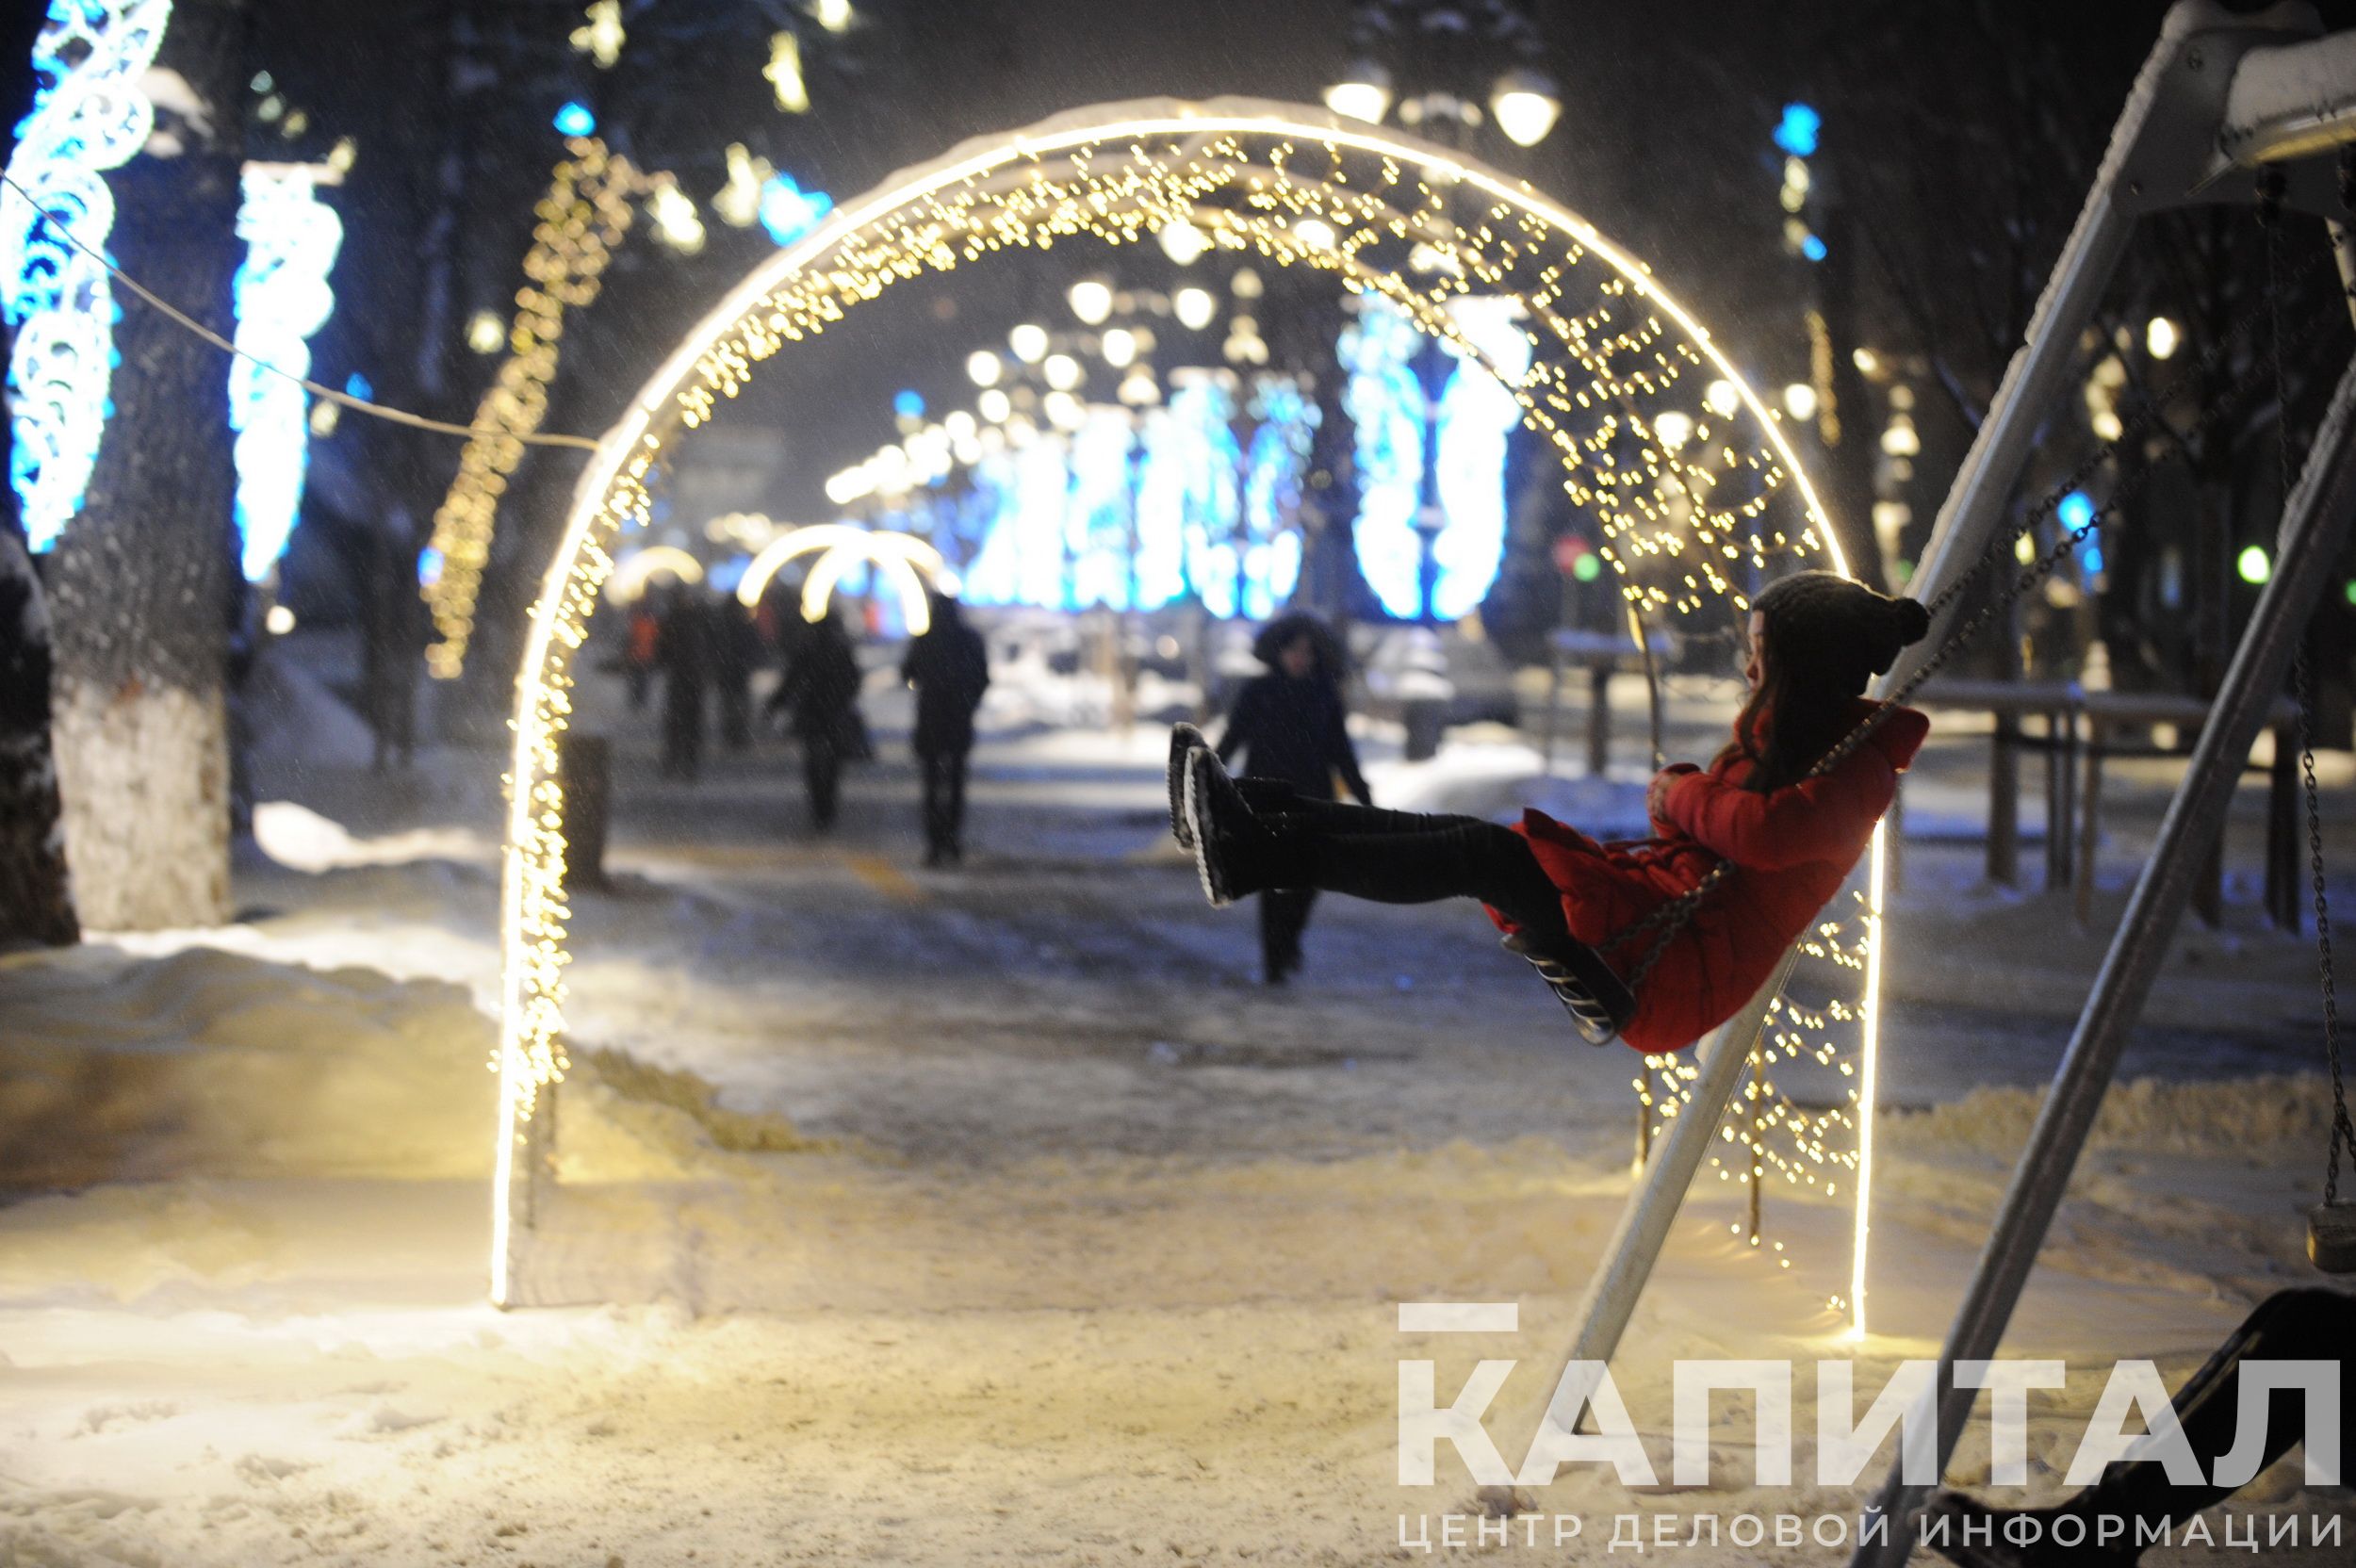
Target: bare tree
{"points": [[143, 577]]}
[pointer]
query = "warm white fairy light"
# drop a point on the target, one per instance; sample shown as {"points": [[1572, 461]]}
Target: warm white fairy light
{"points": [[583, 215], [601, 36], [1246, 173], [784, 72], [907, 561], [634, 573], [738, 201]]}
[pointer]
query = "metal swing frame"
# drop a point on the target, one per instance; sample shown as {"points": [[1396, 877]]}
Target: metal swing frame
{"points": [[2220, 97]]}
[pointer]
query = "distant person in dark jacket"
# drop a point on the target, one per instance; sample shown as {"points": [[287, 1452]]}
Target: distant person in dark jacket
{"points": [[685, 654], [736, 652], [1289, 724], [950, 670], [821, 689]]}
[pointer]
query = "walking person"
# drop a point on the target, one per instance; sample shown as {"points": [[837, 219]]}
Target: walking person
{"points": [[683, 651], [393, 632], [950, 669], [643, 648], [821, 690], [1290, 724], [736, 652], [1787, 835]]}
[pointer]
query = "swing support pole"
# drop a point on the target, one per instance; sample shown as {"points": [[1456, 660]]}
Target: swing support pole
{"points": [[1611, 1292], [2316, 527]]}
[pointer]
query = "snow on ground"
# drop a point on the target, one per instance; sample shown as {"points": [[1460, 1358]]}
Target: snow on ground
{"points": [[993, 1215]]}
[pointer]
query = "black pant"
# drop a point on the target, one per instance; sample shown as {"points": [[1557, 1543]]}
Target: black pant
{"points": [[1283, 916], [736, 715], [1413, 857], [682, 728], [944, 801], [821, 771]]}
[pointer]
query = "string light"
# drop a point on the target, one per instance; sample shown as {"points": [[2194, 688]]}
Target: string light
{"points": [[1606, 348], [583, 215], [89, 114], [738, 201], [282, 298], [788, 211], [833, 15], [784, 72], [636, 572], [673, 213], [602, 36]]}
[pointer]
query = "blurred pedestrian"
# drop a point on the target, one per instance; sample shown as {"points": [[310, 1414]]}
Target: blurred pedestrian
{"points": [[1289, 723], [950, 670], [736, 652], [393, 632], [643, 648], [683, 650], [821, 689]]}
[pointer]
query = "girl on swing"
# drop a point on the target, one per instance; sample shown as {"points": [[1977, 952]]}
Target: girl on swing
{"points": [[1814, 640]]}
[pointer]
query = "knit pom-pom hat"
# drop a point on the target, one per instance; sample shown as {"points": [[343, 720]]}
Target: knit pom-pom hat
{"points": [[1822, 628]]}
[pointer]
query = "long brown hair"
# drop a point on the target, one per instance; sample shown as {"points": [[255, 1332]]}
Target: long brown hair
{"points": [[1822, 638]]}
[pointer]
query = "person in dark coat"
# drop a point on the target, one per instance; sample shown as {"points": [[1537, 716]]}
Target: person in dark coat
{"points": [[1289, 724], [736, 652], [685, 655], [950, 670], [821, 689], [395, 627]]}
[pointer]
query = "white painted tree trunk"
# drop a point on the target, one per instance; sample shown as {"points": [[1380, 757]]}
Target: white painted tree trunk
{"points": [[145, 776]]}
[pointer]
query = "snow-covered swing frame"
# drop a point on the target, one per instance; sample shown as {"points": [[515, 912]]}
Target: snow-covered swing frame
{"points": [[1116, 172]]}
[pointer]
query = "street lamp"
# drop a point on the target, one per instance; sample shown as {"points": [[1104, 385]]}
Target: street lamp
{"points": [[1525, 105], [1362, 93]]}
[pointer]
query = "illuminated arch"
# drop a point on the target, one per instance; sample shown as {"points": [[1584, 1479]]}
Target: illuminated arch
{"points": [[905, 561], [634, 571], [1298, 186]]}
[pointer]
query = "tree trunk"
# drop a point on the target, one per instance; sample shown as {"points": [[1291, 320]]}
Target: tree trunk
{"points": [[143, 577], [36, 900]]}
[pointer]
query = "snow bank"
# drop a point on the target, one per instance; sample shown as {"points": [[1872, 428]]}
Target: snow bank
{"points": [[301, 838], [210, 1064], [2261, 1117]]}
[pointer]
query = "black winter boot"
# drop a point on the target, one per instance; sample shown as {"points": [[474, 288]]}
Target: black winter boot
{"points": [[1235, 852], [1599, 1002], [1184, 740]]}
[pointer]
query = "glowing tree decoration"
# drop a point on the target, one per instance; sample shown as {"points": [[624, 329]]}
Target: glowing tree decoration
{"points": [[584, 215], [282, 295], [1101, 520], [88, 115], [1477, 414], [1615, 351], [1386, 409], [1278, 458], [1195, 475]]}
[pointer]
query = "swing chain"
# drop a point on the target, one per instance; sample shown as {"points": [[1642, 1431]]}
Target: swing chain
{"points": [[2303, 678], [2343, 1130]]}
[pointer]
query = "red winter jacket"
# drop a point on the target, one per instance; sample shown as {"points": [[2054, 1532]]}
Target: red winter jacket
{"points": [[1792, 850]]}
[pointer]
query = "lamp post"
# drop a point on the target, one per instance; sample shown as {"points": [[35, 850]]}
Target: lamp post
{"points": [[1442, 49]]}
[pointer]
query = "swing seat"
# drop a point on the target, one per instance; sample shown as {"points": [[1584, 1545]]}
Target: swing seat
{"points": [[1598, 1000], [2331, 1237]]}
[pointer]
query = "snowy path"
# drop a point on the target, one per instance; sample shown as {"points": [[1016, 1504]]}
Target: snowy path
{"points": [[1019, 1224]]}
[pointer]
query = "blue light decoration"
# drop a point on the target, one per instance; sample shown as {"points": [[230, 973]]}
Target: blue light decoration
{"points": [[1099, 522], [88, 115], [1385, 405], [985, 519], [2075, 510], [574, 119], [282, 298], [788, 211], [1814, 248], [1478, 415], [908, 403], [1201, 474], [358, 386], [1796, 133], [1274, 467]]}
